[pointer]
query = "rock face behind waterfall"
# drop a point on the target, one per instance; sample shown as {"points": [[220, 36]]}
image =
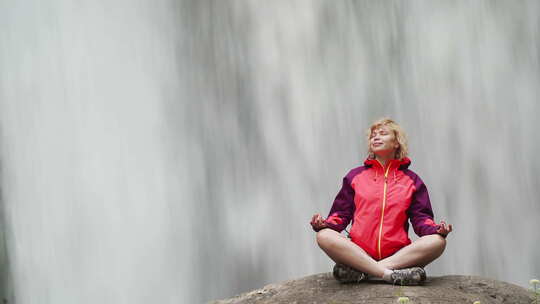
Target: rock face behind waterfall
{"points": [[322, 288]]}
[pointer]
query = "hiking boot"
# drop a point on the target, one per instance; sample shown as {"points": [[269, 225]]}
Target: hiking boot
{"points": [[408, 276], [346, 274]]}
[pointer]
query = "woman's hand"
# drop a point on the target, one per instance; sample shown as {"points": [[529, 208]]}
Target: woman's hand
{"points": [[444, 229], [317, 222]]}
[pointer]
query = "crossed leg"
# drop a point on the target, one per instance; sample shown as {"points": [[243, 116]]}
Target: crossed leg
{"points": [[342, 250]]}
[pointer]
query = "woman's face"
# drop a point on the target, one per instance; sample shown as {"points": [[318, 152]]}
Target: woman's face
{"points": [[382, 141]]}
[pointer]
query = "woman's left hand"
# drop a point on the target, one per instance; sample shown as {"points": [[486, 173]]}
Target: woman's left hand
{"points": [[444, 229]]}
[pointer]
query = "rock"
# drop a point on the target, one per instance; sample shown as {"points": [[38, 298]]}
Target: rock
{"points": [[322, 288]]}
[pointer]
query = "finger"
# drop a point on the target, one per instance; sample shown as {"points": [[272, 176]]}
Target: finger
{"points": [[447, 226], [442, 229]]}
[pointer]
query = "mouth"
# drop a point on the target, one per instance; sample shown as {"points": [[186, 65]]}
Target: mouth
{"points": [[377, 144]]}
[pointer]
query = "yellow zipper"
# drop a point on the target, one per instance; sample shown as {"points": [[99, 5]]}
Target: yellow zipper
{"points": [[382, 211]]}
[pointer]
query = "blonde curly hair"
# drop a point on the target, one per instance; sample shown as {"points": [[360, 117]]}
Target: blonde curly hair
{"points": [[403, 150]]}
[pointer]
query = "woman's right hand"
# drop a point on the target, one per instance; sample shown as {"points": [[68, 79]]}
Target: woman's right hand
{"points": [[317, 222]]}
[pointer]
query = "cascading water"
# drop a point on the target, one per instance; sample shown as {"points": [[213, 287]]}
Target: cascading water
{"points": [[174, 152]]}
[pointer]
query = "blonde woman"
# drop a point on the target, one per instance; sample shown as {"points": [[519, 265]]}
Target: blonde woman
{"points": [[379, 198]]}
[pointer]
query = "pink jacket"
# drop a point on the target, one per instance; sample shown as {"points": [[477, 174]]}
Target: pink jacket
{"points": [[379, 201]]}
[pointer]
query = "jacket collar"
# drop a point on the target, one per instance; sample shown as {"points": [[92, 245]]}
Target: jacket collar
{"points": [[395, 163]]}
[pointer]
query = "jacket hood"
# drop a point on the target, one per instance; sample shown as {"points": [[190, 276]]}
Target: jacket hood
{"points": [[404, 163]]}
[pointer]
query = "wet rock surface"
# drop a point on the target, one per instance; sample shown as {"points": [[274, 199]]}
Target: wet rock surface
{"points": [[322, 288]]}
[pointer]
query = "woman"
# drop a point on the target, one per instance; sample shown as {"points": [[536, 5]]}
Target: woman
{"points": [[379, 198]]}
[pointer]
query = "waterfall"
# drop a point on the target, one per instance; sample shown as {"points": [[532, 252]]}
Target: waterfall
{"points": [[175, 151]]}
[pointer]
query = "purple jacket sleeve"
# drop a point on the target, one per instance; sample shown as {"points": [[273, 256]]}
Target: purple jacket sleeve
{"points": [[342, 210], [420, 212]]}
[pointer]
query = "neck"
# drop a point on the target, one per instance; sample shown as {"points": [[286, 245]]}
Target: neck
{"points": [[384, 159]]}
